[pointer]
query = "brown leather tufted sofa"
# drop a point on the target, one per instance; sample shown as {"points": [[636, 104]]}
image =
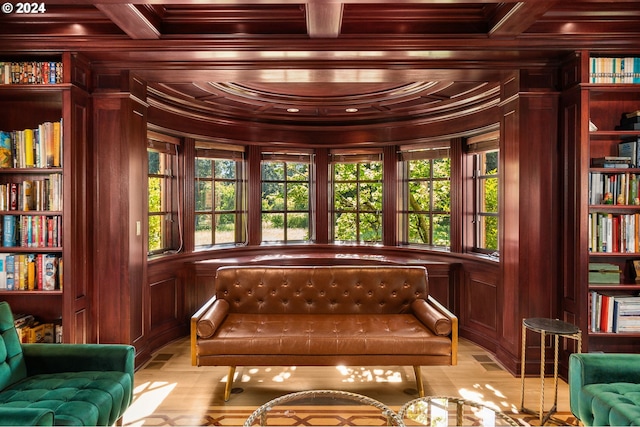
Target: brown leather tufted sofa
{"points": [[323, 316]]}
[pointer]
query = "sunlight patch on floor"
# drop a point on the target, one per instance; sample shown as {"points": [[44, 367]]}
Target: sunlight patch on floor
{"points": [[488, 396], [147, 397], [353, 374], [363, 375]]}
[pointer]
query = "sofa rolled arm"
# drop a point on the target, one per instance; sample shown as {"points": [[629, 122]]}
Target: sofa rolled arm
{"points": [[205, 321], [26, 416], [431, 317], [600, 368], [46, 358], [439, 320], [209, 322]]}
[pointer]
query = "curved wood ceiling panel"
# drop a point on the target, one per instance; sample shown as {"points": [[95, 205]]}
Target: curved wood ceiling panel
{"points": [[326, 103]]}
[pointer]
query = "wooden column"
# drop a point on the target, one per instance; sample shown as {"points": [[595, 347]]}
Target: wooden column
{"points": [[529, 207], [120, 212]]}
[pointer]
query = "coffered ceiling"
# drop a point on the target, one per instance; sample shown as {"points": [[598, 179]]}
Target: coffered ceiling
{"points": [[327, 59]]}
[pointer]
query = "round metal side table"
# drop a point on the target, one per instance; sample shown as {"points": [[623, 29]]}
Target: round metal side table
{"points": [[556, 328]]}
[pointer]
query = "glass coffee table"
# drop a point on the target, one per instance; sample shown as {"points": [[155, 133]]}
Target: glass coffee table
{"points": [[441, 411], [310, 408]]}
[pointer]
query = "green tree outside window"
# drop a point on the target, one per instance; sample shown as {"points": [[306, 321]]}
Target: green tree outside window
{"points": [[357, 201], [429, 200], [286, 209], [487, 201], [216, 199]]}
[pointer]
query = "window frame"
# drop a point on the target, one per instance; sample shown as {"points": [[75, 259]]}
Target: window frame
{"points": [[357, 157], [286, 158], [478, 147], [171, 234], [221, 152], [429, 152]]}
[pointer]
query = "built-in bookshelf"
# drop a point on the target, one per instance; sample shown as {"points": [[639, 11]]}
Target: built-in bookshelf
{"points": [[612, 197], [43, 117]]}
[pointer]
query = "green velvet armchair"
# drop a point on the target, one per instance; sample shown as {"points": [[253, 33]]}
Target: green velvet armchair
{"points": [[604, 388], [62, 384]]}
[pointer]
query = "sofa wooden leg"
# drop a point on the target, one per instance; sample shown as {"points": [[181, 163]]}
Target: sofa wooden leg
{"points": [[227, 388], [419, 384], [120, 422]]}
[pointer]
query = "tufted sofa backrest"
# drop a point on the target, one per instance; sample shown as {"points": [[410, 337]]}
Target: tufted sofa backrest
{"points": [[321, 289], [12, 365]]}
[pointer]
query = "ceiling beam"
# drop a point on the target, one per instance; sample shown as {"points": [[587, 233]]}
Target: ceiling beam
{"points": [[130, 20], [324, 19], [513, 19]]}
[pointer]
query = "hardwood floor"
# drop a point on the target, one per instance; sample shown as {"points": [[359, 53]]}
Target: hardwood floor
{"points": [[169, 385]]}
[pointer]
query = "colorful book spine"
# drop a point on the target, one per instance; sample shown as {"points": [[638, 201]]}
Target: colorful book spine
{"points": [[50, 272], [9, 230], [10, 267]]}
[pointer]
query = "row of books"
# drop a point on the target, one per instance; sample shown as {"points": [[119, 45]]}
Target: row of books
{"points": [[31, 330], [32, 231], [30, 272], [614, 312], [614, 233], [615, 188], [614, 70], [31, 72], [32, 148], [32, 194]]}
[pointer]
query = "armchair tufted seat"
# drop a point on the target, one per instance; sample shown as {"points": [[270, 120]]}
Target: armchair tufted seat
{"points": [[62, 384], [76, 398], [323, 316], [616, 404]]}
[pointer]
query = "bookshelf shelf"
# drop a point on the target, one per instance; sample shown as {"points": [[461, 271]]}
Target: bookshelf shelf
{"points": [[615, 171], [614, 208], [595, 88], [32, 293], [621, 287], [613, 133], [40, 213], [35, 171], [615, 254], [614, 335], [43, 87], [21, 249]]}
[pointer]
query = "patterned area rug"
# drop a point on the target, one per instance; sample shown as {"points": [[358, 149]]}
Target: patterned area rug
{"points": [[306, 416]]}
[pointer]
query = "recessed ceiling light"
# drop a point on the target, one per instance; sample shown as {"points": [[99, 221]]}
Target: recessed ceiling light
{"points": [[292, 110], [351, 110]]}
